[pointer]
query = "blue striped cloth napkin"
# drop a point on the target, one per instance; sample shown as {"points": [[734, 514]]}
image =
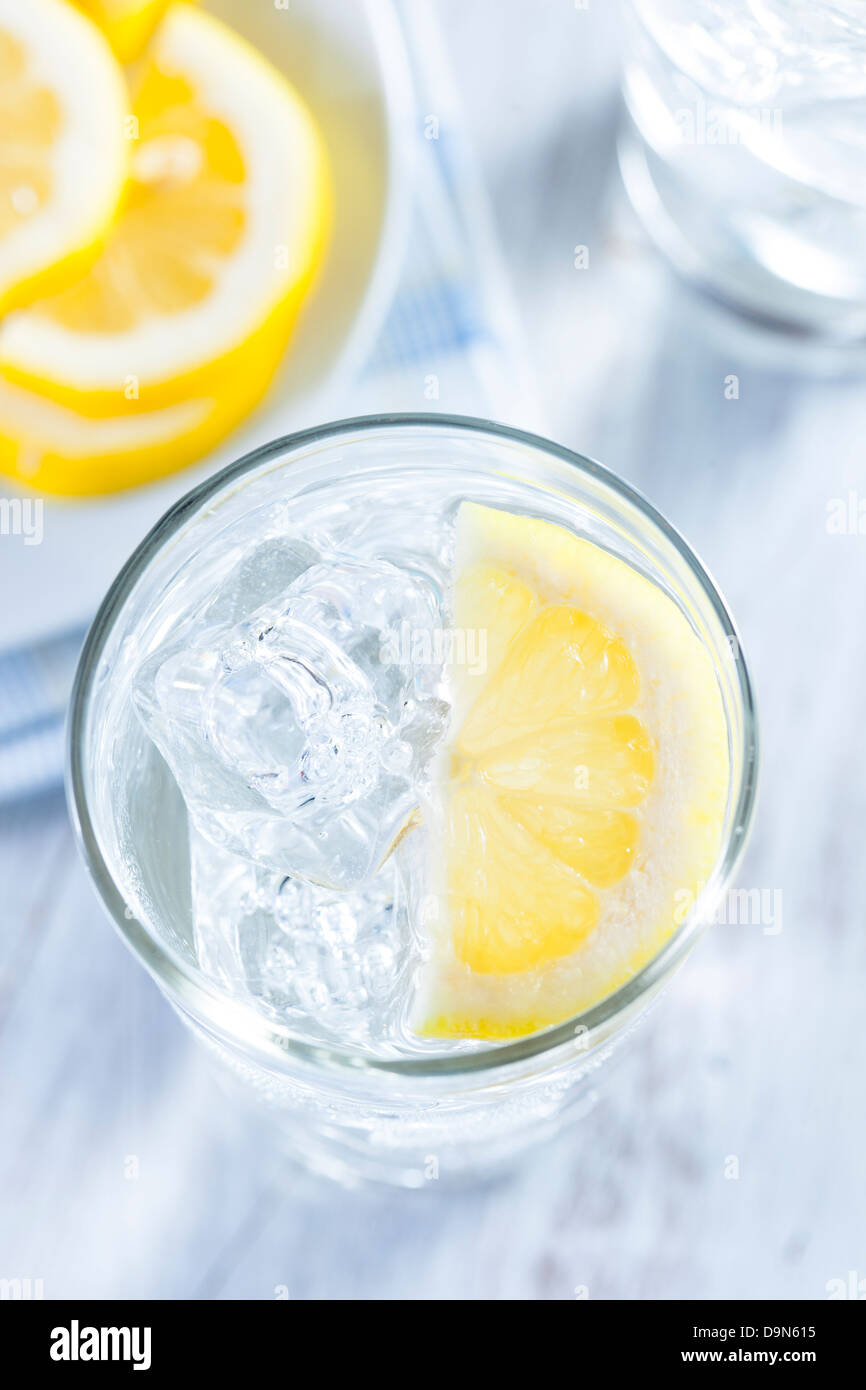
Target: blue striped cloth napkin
{"points": [[451, 342]]}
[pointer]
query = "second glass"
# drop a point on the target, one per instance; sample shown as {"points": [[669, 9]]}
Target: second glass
{"points": [[743, 152]]}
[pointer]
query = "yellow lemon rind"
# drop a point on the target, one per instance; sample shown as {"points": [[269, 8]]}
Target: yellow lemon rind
{"points": [[89, 372]]}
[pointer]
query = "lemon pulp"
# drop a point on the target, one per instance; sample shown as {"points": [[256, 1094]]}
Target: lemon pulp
{"points": [[223, 226], [175, 329], [127, 24], [583, 787]]}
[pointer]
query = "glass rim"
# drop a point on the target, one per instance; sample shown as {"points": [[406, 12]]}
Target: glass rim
{"points": [[182, 981]]}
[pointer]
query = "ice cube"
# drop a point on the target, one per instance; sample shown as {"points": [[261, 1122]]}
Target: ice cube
{"points": [[301, 952], [263, 573], [299, 736]]}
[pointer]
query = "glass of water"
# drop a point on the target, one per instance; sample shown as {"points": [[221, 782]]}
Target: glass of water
{"points": [[744, 152], [180, 785]]}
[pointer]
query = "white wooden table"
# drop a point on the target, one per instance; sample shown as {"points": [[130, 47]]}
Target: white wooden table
{"points": [[120, 1173]]}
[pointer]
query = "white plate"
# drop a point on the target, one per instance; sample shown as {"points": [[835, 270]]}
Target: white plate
{"points": [[338, 53]]}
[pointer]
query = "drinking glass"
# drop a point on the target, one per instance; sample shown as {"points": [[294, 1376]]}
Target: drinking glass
{"points": [[744, 152], [340, 1107]]}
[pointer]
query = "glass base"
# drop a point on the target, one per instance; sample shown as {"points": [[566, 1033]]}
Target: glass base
{"points": [[427, 1147], [711, 259]]}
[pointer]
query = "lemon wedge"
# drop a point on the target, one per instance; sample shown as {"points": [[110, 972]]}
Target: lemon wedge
{"points": [[215, 246], [583, 788], [63, 152], [127, 24]]}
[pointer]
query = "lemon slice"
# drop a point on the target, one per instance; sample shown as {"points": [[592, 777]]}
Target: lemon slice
{"points": [[56, 450], [127, 24], [214, 249], [584, 785], [63, 152]]}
